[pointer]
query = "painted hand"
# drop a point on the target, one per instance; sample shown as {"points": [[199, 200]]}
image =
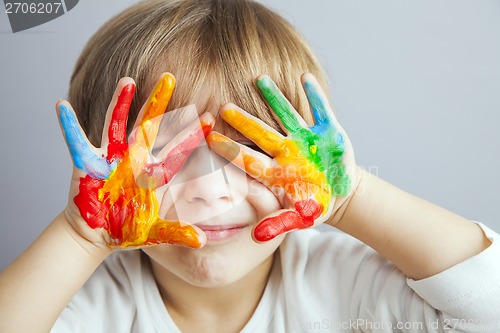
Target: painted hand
{"points": [[311, 170], [114, 187]]}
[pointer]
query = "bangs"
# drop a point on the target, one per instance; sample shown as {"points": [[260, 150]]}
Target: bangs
{"points": [[214, 48]]}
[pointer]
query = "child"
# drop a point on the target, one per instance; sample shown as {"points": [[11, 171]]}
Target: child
{"points": [[410, 266]]}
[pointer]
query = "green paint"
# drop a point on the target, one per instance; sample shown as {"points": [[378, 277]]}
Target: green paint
{"points": [[278, 103], [322, 144], [325, 150]]}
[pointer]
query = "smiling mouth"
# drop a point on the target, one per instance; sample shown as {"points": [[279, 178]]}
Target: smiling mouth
{"points": [[217, 233]]}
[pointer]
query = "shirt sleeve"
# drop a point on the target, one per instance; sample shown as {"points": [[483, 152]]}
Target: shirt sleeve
{"points": [[349, 287], [463, 298], [467, 295]]}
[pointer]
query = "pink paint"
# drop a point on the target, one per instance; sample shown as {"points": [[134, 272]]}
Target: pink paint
{"points": [[158, 174]]}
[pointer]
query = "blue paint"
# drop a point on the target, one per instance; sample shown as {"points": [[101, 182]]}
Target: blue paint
{"points": [[83, 156], [322, 115]]}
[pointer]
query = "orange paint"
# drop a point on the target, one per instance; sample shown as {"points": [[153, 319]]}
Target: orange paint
{"points": [[305, 168]]}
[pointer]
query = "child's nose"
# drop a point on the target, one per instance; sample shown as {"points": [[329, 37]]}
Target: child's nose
{"points": [[205, 176]]}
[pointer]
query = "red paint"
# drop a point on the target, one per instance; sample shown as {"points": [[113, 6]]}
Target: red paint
{"points": [[277, 225], [91, 209], [117, 215], [117, 131], [309, 209], [303, 217], [100, 214], [206, 128]]}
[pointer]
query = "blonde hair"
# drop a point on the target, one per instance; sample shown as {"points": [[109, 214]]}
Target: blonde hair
{"points": [[215, 48]]}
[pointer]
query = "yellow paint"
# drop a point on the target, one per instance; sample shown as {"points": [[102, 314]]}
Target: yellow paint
{"points": [[142, 225], [300, 178]]}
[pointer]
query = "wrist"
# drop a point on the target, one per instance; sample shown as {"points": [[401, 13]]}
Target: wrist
{"points": [[344, 209], [97, 251]]}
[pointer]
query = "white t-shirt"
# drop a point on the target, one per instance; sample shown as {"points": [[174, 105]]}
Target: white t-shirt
{"points": [[320, 282]]}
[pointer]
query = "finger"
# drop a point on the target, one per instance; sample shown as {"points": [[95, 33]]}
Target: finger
{"points": [[286, 115], [252, 162], [176, 153], [115, 127], [278, 223], [172, 123], [149, 118], [84, 155], [322, 112], [176, 233], [261, 198], [268, 139], [189, 138]]}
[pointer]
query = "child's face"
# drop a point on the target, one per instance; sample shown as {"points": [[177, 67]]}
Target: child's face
{"points": [[224, 202]]}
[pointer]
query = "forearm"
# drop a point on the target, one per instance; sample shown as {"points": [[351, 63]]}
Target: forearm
{"points": [[36, 287], [420, 238]]}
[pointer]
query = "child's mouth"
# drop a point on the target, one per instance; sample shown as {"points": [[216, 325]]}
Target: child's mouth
{"points": [[216, 233]]}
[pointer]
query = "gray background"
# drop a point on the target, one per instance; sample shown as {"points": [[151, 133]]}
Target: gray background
{"points": [[416, 84]]}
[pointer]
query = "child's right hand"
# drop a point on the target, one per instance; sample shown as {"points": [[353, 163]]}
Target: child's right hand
{"points": [[113, 190]]}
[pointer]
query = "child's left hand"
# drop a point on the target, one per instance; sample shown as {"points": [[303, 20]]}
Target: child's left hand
{"points": [[311, 171]]}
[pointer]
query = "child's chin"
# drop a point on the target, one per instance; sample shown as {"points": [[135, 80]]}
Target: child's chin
{"points": [[219, 280]]}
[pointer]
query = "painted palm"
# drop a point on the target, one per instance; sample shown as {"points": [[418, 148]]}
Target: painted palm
{"points": [[118, 182], [306, 169]]}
